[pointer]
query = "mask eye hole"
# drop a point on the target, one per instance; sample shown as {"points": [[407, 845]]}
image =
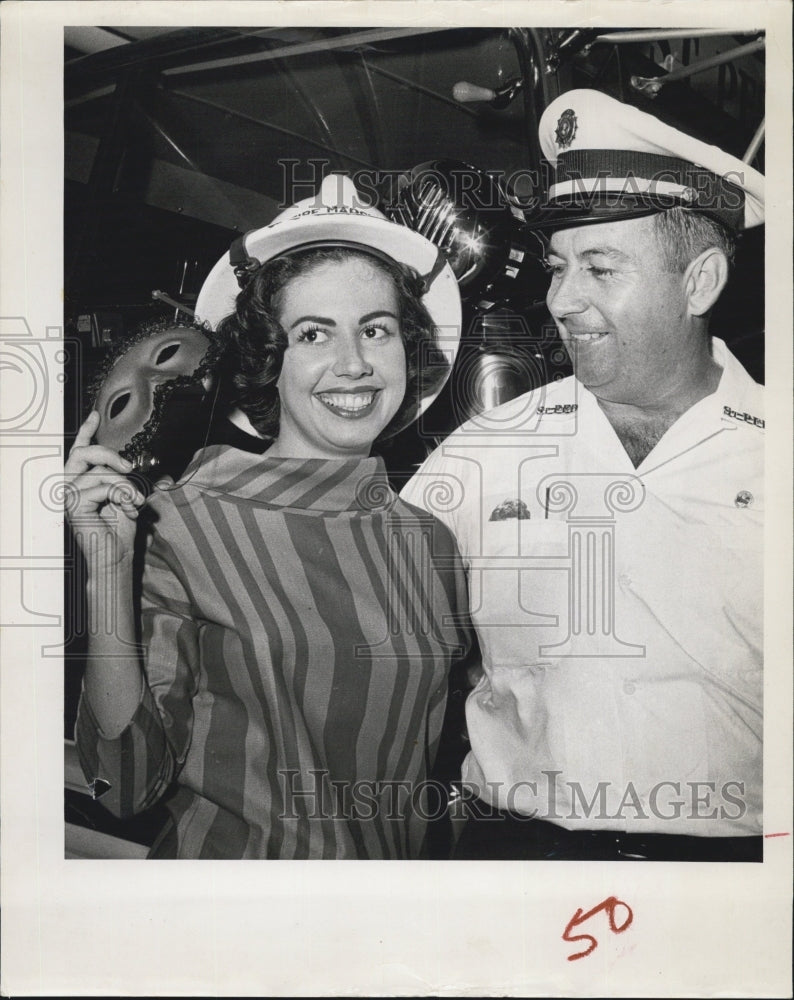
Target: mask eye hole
{"points": [[167, 353], [119, 404]]}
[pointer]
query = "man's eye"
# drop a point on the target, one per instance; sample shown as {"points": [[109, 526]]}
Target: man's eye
{"points": [[551, 268], [600, 272], [312, 335]]}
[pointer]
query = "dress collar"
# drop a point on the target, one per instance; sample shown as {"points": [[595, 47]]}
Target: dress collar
{"points": [[316, 484]]}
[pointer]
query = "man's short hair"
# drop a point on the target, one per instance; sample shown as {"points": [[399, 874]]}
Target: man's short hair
{"points": [[684, 235]]}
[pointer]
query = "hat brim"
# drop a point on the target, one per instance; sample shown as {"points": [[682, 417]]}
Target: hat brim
{"points": [[218, 295], [569, 214], [548, 218]]}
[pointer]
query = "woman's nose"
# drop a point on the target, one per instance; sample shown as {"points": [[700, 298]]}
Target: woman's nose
{"points": [[350, 359]]}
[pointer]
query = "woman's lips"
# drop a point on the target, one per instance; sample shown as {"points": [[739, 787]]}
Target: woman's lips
{"points": [[351, 405]]}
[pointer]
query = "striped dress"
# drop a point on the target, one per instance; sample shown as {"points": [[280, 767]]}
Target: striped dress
{"points": [[299, 621]]}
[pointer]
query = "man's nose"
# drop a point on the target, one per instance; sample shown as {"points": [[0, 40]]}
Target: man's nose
{"points": [[351, 359], [566, 295]]}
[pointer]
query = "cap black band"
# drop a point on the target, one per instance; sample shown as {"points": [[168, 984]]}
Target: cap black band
{"points": [[706, 191], [577, 163]]}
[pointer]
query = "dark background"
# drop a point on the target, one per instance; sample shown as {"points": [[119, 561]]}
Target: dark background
{"points": [[177, 141]]}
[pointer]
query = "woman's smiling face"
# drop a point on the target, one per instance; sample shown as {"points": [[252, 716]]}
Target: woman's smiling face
{"points": [[343, 376]]}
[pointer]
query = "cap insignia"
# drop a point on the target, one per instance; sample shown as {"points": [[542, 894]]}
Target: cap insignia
{"points": [[566, 128]]}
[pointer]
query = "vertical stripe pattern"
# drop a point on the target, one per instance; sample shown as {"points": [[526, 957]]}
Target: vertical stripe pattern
{"points": [[299, 622]]}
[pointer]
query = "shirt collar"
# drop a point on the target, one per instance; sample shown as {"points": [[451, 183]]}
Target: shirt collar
{"points": [[736, 385]]}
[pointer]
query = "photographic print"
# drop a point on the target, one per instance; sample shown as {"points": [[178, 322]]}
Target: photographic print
{"points": [[394, 471]]}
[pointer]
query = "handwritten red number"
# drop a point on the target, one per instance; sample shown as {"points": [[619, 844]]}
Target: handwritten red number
{"points": [[580, 916]]}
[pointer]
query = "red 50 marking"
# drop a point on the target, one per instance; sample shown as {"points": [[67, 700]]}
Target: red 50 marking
{"points": [[580, 916]]}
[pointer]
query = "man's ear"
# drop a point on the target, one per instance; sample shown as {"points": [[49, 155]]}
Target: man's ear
{"points": [[704, 280]]}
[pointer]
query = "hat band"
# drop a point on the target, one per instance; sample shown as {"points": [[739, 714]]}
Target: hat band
{"points": [[244, 266], [625, 163], [620, 185], [585, 173]]}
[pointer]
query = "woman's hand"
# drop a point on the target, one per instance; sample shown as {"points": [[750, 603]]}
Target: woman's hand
{"points": [[101, 503], [102, 507]]}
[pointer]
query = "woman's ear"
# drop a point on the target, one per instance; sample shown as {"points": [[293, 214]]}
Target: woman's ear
{"points": [[704, 280]]}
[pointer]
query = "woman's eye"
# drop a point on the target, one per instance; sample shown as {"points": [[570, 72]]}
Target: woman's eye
{"points": [[376, 332], [312, 335]]}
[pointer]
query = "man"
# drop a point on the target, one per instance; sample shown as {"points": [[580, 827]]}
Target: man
{"points": [[612, 522]]}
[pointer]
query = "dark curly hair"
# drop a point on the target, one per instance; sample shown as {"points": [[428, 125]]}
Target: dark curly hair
{"points": [[255, 341]]}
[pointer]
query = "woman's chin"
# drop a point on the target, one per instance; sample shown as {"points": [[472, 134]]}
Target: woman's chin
{"points": [[354, 432], [355, 444]]}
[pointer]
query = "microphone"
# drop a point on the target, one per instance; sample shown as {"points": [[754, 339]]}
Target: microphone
{"points": [[466, 93]]}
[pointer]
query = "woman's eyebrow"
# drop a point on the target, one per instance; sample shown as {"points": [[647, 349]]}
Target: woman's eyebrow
{"points": [[323, 320], [327, 321], [376, 314]]}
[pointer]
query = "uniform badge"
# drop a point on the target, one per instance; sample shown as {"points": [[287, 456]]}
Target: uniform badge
{"points": [[566, 128], [509, 509]]}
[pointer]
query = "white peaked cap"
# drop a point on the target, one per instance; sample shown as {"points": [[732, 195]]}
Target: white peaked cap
{"points": [[611, 156]]}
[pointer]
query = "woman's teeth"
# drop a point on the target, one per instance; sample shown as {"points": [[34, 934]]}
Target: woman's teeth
{"points": [[347, 402]]}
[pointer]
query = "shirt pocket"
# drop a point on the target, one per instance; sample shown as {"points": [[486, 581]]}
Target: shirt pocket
{"points": [[520, 582]]}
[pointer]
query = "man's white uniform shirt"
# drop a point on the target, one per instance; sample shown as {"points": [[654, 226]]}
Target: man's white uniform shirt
{"points": [[619, 610]]}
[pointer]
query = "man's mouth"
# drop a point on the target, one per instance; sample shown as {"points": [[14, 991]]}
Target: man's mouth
{"points": [[586, 337], [349, 404]]}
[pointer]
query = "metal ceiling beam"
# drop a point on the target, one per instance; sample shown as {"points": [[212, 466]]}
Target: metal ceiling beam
{"points": [[421, 89], [755, 142], [351, 40], [242, 116], [652, 85], [89, 39], [155, 52], [657, 34]]}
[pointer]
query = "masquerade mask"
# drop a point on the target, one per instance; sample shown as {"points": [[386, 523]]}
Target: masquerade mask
{"points": [[150, 399]]}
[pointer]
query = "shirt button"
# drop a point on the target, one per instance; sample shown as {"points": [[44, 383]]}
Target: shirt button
{"points": [[624, 579], [628, 687]]}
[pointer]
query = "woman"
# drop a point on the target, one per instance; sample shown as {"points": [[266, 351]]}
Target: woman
{"points": [[298, 619]]}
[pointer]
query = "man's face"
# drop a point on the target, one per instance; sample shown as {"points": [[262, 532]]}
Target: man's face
{"points": [[621, 314]]}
